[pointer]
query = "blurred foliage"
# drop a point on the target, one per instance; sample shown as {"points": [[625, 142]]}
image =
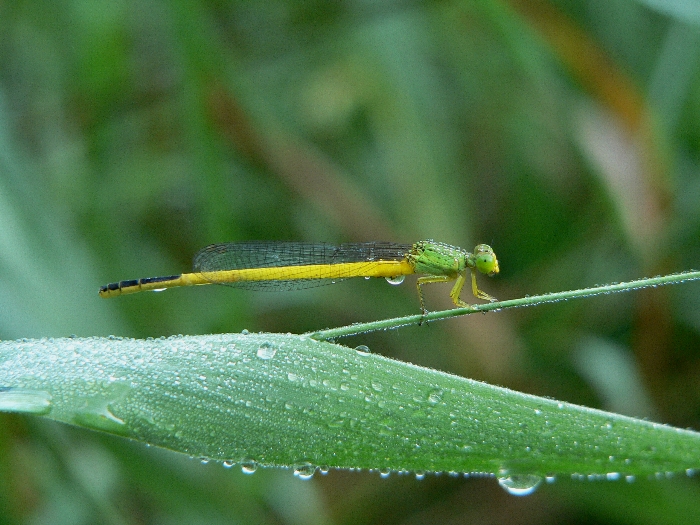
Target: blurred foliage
{"points": [[565, 134]]}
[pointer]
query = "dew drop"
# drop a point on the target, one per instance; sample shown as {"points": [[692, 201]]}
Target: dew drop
{"points": [[520, 484], [396, 280], [435, 396], [227, 464], [377, 386], [249, 466], [304, 470], [362, 350], [384, 473], [266, 351], [420, 474]]}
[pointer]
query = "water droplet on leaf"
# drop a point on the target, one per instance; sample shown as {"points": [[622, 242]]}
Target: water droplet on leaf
{"points": [[435, 396], [520, 484], [362, 350], [304, 470], [249, 466], [266, 351]]}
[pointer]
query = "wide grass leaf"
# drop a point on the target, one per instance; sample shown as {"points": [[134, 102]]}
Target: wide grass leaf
{"points": [[291, 401]]}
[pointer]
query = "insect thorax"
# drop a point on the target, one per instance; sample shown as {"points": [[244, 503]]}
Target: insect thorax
{"points": [[436, 258]]}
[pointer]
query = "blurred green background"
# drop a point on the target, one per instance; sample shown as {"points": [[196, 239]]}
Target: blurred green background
{"points": [[565, 134]]}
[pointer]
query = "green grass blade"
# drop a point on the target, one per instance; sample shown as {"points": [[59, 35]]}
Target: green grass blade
{"points": [[291, 401], [533, 300]]}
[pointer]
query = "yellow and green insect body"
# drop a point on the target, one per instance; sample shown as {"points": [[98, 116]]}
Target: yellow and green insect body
{"points": [[443, 263], [274, 265]]}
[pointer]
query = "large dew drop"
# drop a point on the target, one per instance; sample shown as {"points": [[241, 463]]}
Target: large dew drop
{"points": [[249, 466], [266, 351], [520, 484], [304, 470], [362, 350]]}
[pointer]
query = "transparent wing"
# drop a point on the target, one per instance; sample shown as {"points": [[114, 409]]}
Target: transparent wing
{"points": [[286, 255]]}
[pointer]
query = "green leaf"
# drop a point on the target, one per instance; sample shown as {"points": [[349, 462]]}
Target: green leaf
{"points": [[291, 401]]}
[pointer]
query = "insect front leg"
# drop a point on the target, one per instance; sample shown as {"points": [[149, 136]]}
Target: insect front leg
{"points": [[475, 289]]}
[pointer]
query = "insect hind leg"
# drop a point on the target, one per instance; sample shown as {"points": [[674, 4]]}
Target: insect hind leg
{"points": [[429, 279]]}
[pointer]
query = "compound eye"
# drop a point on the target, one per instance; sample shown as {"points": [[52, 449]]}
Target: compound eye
{"points": [[486, 261]]}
